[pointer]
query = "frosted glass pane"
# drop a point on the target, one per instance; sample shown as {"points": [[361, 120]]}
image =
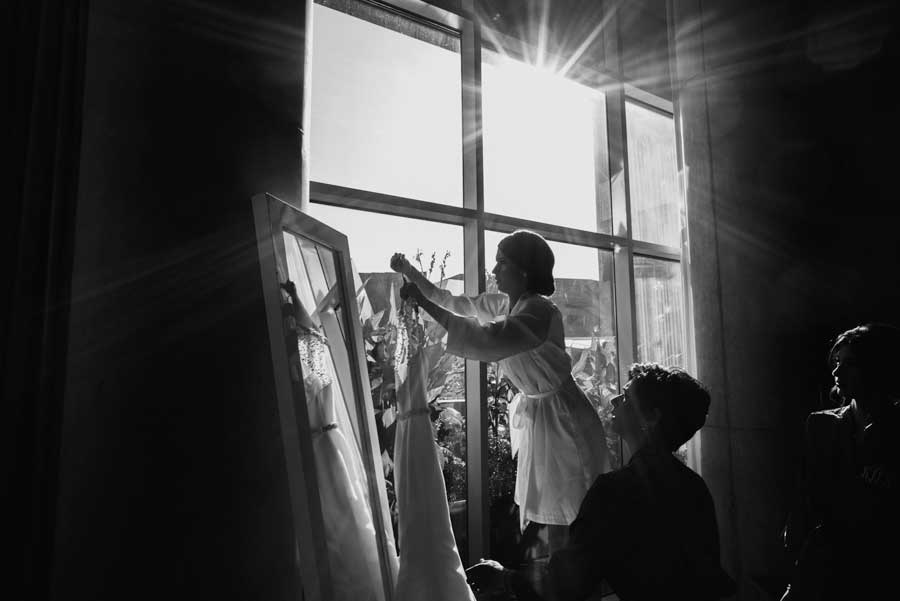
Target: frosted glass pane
{"points": [[659, 300], [386, 110], [656, 206], [545, 153]]}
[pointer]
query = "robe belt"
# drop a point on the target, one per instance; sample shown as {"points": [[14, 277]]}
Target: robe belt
{"points": [[412, 412], [567, 385], [521, 415]]}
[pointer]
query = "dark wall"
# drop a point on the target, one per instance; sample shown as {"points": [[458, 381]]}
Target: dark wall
{"points": [[173, 481], [790, 130]]}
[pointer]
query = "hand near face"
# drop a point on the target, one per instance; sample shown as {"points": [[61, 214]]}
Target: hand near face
{"points": [[485, 576], [289, 287]]}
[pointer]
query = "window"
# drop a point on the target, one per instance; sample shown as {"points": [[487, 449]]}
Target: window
{"points": [[398, 163], [541, 135], [386, 109], [655, 204], [660, 311]]}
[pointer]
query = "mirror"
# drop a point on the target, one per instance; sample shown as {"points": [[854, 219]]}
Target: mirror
{"points": [[341, 519]]}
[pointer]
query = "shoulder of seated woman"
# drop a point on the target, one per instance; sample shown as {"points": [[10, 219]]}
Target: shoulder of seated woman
{"points": [[621, 479], [826, 427]]}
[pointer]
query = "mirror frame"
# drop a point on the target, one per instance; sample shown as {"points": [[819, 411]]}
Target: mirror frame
{"points": [[272, 217]]}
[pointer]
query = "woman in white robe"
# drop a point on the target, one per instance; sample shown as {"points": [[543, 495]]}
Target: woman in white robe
{"points": [[558, 436]]}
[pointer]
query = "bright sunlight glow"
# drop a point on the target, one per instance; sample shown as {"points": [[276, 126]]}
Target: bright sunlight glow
{"points": [[386, 117], [539, 138]]}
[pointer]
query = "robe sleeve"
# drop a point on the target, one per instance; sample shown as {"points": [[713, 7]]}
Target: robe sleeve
{"points": [[497, 340], [485, 307]]}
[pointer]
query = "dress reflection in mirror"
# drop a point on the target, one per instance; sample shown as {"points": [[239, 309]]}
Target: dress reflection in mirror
{"points": [[311, 298]]}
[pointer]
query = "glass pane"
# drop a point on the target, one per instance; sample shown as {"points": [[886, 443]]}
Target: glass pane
{"points": [[545, 146], [656, 208], [326, 258], [386, 107], [584, 295], [373, 239], [324, 363], [659, 300], [321, 288]]}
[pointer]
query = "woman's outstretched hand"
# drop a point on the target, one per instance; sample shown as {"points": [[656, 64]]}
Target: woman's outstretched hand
{"points": [[300, 314], [400, 264]]}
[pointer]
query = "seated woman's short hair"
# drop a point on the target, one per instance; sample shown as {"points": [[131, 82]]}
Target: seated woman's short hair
{"points": [[682, 401]]}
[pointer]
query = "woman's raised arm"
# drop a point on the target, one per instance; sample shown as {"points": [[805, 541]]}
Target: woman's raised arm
{"points": [[485, 307]]}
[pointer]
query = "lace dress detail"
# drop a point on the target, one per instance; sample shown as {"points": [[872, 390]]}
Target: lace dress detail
{"points": [[313, 350]]}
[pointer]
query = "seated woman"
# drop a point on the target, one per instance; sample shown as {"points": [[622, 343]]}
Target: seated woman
{"points": [[851, 486], [649, 529]]}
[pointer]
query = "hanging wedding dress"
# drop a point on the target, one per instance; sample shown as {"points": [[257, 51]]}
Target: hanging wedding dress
{"points": [[350, 534], [430, 567]]}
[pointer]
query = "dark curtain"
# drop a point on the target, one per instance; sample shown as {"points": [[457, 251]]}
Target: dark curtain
{"points": [[45, 68]]}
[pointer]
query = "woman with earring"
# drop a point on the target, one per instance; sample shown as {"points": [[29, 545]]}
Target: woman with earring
{"points": [[851, 485], [557, 435]]}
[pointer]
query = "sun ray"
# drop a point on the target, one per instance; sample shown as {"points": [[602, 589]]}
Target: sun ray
{"points": [[588, 40]]}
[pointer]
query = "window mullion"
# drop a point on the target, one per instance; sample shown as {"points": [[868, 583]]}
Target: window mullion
{"points": [[623, 257], [624, 254], [477, 501]]}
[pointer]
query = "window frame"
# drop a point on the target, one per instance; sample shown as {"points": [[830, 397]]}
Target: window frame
{"points": [[455, 18]]}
